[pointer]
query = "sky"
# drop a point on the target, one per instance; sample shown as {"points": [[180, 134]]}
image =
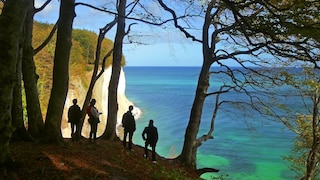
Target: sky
{"points": [[158, 46]]}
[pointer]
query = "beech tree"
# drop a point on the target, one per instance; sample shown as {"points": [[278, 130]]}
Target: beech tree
{"points": [[110, 130], [60, 71], [305, 155], [11, 26], [95, 75], [303, 48], [115, 74], [30, 78], [223, 23], [119, 20], [243, 33], [26, 66]]}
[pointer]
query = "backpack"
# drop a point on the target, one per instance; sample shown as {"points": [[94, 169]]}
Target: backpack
{"points": [[88, 111]]}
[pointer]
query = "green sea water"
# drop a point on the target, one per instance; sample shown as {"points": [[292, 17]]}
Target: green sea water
{"points": [[245, 146]]}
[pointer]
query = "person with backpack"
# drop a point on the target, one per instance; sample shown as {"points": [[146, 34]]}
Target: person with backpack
{"points": [[150, 135], [93, 120], [74, 115], [129, 125]]}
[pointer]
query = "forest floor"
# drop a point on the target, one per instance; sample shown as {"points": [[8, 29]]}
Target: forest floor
{"points": [[85, 160]]}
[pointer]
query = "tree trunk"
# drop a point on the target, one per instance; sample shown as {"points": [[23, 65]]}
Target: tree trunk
{"points": [[189, 151], [11, 26], [35, 120], [115, 74], [311, 163], [60, 72], [20, 132], [94, 77], [16, 111], [312, 159]]}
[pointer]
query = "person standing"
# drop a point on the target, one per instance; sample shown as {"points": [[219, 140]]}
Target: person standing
{"points": [[74, 115], [129, 125], [150, 135], [93, 120]]}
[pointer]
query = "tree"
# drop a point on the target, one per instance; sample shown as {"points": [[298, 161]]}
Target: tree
{"points": [[213, 19], [95, 75], [26, 66], [115, 74], [11, 27], [302, 46], [243, 33], [305, 155], [30, 79], [302, 26], [60, 71], [110, 130]]}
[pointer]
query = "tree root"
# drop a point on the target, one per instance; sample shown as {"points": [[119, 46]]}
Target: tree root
{"points": [[206, 170]]}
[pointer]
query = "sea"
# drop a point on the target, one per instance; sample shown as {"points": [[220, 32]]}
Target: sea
{"points": [[245, 145]]}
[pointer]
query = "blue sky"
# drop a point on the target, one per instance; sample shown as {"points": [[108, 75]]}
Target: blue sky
{"points": [[157, 47]]}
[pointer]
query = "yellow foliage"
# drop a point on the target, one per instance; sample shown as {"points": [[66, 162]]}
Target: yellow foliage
{"points": [[1, 6]]}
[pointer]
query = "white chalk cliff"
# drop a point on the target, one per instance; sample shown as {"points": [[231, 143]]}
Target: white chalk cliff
{"points": [[100, 93]]}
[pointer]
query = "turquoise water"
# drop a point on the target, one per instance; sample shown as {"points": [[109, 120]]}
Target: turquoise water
{"points": [[245, 146]]}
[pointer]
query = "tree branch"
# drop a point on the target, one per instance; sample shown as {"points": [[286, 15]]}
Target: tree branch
{"points": [[187, 34], [206, 170], [47, 40], [127, 17], [42, 7]]}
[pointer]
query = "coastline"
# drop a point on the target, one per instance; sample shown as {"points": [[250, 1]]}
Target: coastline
{"points": [[100, 93]]}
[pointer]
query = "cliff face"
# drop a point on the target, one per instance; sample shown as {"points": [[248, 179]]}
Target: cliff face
{"points": [[100, 93]]}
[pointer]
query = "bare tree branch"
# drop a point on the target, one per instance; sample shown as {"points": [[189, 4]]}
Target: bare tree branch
{"points": [[175, 18], [42, 7], [128, 17], [47, 40]]}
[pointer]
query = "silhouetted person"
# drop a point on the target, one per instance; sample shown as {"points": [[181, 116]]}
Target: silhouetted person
{"points": [[150, 135], [93, 120], [129, 125], [74, 115]]}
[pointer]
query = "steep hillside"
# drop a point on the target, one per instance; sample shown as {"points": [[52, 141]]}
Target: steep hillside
{"points": [[83, 161]]}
